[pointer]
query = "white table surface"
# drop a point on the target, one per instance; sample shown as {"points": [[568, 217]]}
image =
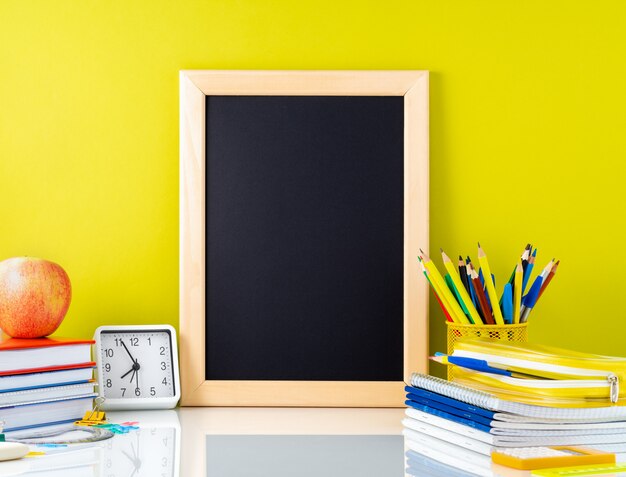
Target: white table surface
{"points": [[242, 442]]}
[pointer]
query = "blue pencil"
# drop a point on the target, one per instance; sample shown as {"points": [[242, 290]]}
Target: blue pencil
{"points": [[507, 304]]}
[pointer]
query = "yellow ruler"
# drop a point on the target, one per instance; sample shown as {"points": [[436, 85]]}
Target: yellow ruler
{"points": [[583, 470]]}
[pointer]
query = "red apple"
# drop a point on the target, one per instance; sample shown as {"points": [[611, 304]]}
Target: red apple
{"points": [[34, 297]]}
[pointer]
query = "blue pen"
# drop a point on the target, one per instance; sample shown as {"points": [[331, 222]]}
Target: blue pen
{"points": [[507, 304], [481, 365], [531, 298], [474, 364]]}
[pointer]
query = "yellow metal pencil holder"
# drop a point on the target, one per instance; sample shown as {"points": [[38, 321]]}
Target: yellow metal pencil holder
{"points": [[456, 332]]}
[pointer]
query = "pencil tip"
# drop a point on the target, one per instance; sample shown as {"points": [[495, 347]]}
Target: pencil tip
{"points": [[478, 244], [535, 253], [441, 249], [460, 257], [422, 252]]}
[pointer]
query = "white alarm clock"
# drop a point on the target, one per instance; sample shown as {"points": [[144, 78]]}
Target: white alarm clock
{"points": [[137, 366]]}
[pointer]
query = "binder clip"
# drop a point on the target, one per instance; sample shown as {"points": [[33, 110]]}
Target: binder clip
{"points": [[95, 416]]}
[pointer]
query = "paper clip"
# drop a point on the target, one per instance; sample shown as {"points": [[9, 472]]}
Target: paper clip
{"points": [[95, 416]]}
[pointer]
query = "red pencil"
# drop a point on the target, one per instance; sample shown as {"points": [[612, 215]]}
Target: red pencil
{"points": [[445, 312], [482, 299]]}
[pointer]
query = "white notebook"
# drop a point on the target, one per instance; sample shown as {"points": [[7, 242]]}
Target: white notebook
{"points": [[45, 413], [493, 403], [447, 453], [424, 422], [19, 382], [45, 394]]}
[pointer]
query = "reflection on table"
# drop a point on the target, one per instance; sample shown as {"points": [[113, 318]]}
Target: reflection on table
{"points": [[427, 456], [304, 455], [153, 450], [231, 442]]}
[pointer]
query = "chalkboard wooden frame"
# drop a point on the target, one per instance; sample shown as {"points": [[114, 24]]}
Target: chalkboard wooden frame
{"points": [[194, 87]]}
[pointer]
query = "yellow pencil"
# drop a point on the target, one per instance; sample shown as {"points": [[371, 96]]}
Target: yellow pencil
{"points": [[517, 291], [439, 294], [467, 301], [491, 290], [454, 308]]}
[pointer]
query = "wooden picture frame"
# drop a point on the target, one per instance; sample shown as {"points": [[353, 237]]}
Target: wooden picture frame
{"points": [[194, 87]]}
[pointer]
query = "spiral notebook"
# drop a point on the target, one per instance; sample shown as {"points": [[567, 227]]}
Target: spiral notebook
{"points": [[483, 442], [494, 403]]}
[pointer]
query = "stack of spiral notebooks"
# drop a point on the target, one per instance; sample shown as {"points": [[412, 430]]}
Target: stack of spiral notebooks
{"points": [[519, 395]]}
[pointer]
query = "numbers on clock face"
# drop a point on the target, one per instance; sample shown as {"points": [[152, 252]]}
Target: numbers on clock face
{"points": [[136, 364]]}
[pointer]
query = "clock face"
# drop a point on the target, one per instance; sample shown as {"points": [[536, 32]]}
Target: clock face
{"points": [[136, 364]]}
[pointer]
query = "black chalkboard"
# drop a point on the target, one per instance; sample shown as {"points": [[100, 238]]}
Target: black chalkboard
{"points": [[304, 238]]}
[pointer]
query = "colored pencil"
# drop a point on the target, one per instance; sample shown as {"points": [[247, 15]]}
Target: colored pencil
{"points": [[529, 270], [457, 295], [507, 304], [443, 308], [546, 269], [531, 299], [463, 274], [491, 290], [470, 266], [472, 292], [464, 297], [517, 292], [455, 310], [482, 299], [512, 277], [525, 256], [548, 278], [466, 294]]}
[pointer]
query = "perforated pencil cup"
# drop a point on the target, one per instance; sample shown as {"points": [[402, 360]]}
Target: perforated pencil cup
{"points": [[456, 331]]}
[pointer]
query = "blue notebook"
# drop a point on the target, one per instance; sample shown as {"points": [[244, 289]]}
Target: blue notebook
{"points": [[449, 409], [449, 402], [448, 416]]}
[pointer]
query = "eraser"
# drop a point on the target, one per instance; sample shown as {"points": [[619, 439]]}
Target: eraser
{"points": [[12, 450]]}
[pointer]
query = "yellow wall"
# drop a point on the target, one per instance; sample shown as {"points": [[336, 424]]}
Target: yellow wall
{"points": [[527, 136]]}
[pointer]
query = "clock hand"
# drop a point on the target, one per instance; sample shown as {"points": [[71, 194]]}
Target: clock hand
{"points": [[131, 356], [137, 370], [128, 372]]}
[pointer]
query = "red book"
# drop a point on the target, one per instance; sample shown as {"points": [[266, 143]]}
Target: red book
{"points": [[21, 356]]}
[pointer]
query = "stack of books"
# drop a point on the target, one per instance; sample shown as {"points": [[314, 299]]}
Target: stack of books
{"points": [[44, 382], [517, 395]]}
